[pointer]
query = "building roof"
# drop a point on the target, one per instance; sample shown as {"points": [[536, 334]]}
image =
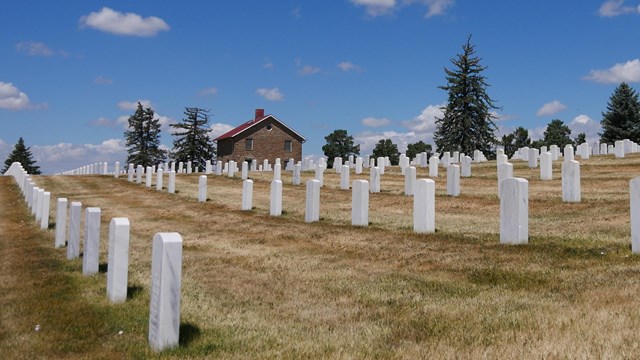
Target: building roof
{"points": [[251, 123]]}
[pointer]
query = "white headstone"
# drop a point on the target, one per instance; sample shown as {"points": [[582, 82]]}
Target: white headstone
{"points": [[424, 206], [603, 149], [453, 180], [116, 170], [91, 253], [465, 170], [166, 279], [501, 159], [381, 164], [344, 177], [277, 171], [61, 222], [232, 168], [571, 181], [553, 149], [374, 179], [533, 158], [634, 197], [202, 188], [139, 172], [75, 215], [38, 205], [514, 211], [247, 194], [312, 211], [148, 178], [619, 149], [319, 175], [159, 179], [130, 173], [275, 208], [546, 166], [409, 180], [118, 260], [44, 211], [297, 168], [189, 167], [360, 203], [568, 152], [358, 165], [433, 166], [245, 170], [172, 182]]}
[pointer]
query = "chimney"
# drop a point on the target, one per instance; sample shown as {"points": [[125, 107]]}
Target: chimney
{"points": [[259, 114]]}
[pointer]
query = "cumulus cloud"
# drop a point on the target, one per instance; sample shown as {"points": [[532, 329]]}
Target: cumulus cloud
{"points": [[368, 140], [376, 7], [218, 129], [209, 91], [123, 120], [585, 124], [270, 94], [374, 122], [626, 72], [308, 70], [347, 66], [65, 156], [103, 80], [133, 105], [102, 122], [611, 8], [551, 108], [426, 121], [127, 24], [437, 7], [12, 98], [34, 48]]}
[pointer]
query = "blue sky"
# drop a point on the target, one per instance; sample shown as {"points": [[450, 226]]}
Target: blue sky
{"points": [[71, 74]]}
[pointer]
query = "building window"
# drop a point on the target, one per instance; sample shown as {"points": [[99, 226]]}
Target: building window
{"points": [[248, 144], [269, 127], [287, 145]]}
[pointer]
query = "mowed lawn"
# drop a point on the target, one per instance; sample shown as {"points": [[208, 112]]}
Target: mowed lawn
{"points": [[256, 286]]}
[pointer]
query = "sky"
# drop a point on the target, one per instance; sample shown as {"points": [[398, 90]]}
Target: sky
{"points": [[72, 72]]}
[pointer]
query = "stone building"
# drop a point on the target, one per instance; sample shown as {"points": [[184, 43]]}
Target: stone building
{"points": [[263, 137]]}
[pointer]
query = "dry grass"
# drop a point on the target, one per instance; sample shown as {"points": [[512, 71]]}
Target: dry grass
{"points": [[256, 286]]}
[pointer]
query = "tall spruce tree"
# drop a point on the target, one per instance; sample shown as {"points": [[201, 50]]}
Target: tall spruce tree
{"points": [[192, 141], [467, 124], [22, 154], [622, 119], [143, 138]]}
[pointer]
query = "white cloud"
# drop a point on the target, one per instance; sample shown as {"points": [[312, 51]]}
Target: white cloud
{"points": [[611, 8], [376, 7], [437, 7], [103, 80], [268, 64], [33, 48], [218, 129], [65, 156], [271, 94], [297, 12], [368, 140], [426, 121], [118, 23], [209, 91], [585, 124], [627, 72], [12, 98], [348, 66], [551, 108], [133, 105], [102, 122], [309, 70], [164, 121], [374, 122], [5, 150]]}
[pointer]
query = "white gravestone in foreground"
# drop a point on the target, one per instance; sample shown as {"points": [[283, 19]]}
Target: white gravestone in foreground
{"points": [[247, 194], [75, 215], [159, 179], [202, 188], [172, 182], [344, 177], [504, 171], [453, 180], [61, 222], [245, 170], [409, 180], [374, 179], [312, 211], [118, 260], [91, 253], [130, 173], [139, 171], [166, 279], [44, 217], [465, 171], [360, 203], [424, 206], [38, 206], [546, 164], [148, 178], [634, 197], [275, 206], [433, 166], [514, 211], [571, 181]]}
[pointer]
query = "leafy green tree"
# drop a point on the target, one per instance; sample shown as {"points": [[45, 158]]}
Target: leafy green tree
{"points": [[192, 141], [467, 124], [519, 138], [339, 143], [143, 138], [622, 119], [557, 133], [386, 147], [416, 148], [22, 154], [507, 144], [580, 139]]}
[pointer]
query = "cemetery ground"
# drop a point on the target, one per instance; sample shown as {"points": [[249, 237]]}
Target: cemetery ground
{"points": [[256, 286]]}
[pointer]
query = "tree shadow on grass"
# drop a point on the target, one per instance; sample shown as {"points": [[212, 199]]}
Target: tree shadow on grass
{"points": [[188, 333]]}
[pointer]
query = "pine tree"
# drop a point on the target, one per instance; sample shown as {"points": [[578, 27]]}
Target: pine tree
{"points": [[622, 119], [557, 133], [416, 148], [339, 144], [192, 141], [386, 148], [22, 154], [467, 124], [143, 138]]}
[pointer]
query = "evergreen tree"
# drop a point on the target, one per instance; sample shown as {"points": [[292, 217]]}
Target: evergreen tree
{"points": [[519, 138], [580, 139], [557, 133], [143, 138], [339, 143], [22, 154], [622, 119], [192, 141], [386, 147], [416, 148], [467, 124]]}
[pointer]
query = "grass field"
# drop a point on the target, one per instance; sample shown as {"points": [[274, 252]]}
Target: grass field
{"points": [[256, 286]]}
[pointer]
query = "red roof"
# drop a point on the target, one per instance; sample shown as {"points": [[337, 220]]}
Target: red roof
{"points": [[251, 123]]}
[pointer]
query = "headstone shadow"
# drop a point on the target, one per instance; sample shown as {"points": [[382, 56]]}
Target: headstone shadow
{"points": [[188, 333]]}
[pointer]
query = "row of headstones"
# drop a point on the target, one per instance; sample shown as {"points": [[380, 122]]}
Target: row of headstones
{"points": [[619, 149], [166, 267]]}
